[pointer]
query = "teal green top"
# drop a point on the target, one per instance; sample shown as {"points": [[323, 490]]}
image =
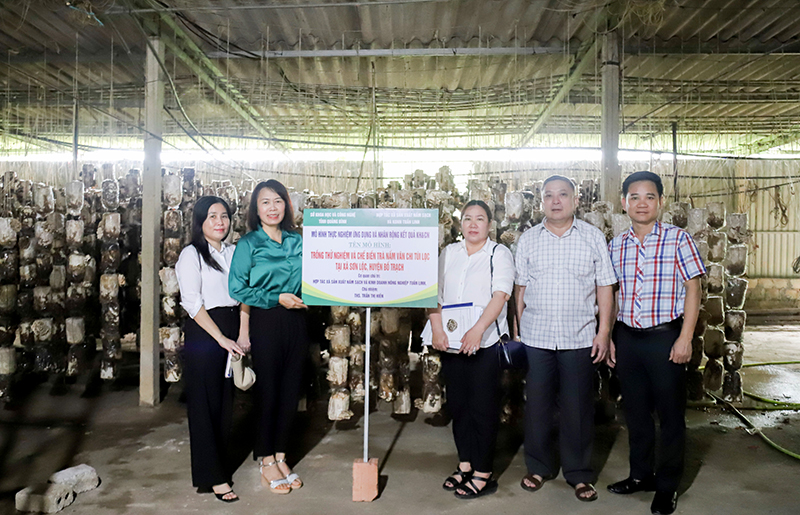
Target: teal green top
{"points": [[262, 268]]}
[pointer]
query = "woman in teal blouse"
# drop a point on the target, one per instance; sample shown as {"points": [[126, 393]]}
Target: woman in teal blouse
{"points": [[265, 277]]}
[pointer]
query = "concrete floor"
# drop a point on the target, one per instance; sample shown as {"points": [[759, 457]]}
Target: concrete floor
{"points": [[142, 455]]}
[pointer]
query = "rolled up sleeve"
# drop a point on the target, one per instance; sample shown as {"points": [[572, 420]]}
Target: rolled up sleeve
{"points": [[504, 271], [690, 264], [523, 245], [441, 276], [190, 280], [239, 278], [605, 275]]}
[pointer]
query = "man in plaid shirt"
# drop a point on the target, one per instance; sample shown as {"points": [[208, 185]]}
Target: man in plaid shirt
{"points": [[658, 269], [564, 278]]}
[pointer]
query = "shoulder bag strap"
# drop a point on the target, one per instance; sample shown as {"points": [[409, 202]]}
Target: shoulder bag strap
{"points": [[491, 280]]}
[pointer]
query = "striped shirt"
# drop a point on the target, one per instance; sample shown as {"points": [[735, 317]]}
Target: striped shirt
{"points": [[561, 275], [651, 274]]}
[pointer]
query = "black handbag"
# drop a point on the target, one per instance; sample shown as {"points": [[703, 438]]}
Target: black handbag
{"points": [[510, 353]]}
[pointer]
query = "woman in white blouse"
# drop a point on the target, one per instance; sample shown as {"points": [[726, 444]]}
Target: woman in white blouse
{"points": [[479, 271], [209, 335]]}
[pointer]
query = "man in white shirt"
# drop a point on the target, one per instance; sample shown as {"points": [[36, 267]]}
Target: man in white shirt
{"points": [[564, 278]]}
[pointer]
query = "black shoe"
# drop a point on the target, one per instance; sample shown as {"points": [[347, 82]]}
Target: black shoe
{"points": [[471, 491], [631, 486], [456, 479], [664, 503]]}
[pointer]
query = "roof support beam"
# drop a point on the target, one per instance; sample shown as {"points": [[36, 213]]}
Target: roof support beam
{"points": [[192, 56], [776, 140], [585, 56], [393, 52]]}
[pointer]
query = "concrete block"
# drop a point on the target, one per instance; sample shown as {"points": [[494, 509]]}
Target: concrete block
{"points": [[694, 385], [735, 291], [733, 354], [713, 341], [48, 498], [712, 375], [734, 325], [715, 307], [365, 480], [697, 352], [732, 387], [81, 478]]}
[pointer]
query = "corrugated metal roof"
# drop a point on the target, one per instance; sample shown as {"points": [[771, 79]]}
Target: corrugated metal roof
{"points": [[714, 66]]}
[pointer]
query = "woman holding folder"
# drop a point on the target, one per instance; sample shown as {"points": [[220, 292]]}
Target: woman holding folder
{"points": [[476, 277], [210, 334]]}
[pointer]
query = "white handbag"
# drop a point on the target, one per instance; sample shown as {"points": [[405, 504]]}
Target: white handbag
{"points": [[243, 376]]}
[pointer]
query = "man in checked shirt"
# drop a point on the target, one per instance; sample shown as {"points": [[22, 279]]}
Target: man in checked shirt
{"points": [[564, 277], [658, 268]]}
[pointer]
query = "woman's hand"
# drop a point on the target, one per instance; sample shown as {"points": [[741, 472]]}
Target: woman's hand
{"points": [[291, 301], [243, 342], [440, 340], [471, 341], [230, 346]]}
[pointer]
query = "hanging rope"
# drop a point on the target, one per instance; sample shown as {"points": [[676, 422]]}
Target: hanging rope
{"points": [[780, 211]]}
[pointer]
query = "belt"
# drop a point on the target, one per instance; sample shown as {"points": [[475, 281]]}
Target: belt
{"points": [[660, 328], [222, 308]]}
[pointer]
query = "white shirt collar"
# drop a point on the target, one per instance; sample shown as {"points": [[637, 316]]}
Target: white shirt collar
{"points": [[462, 245]]}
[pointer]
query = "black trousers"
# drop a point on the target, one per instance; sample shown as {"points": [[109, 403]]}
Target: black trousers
{"points": [[560, 380], [279, 346], [209, 397], [650, 383], [473, 397]]}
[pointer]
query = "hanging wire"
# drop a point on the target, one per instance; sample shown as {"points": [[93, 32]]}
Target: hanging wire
{"points": [[780, 211]]}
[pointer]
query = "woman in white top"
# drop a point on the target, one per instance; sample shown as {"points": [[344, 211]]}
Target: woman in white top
{"points": [[209, 335], [479, 271]]}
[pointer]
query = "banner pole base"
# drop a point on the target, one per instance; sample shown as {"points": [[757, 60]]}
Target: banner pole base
{"points": [[365, 480]]}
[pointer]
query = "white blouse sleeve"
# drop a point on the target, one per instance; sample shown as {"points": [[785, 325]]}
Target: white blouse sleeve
{"points": [[504, 270], [190, 281], [441, 275]]}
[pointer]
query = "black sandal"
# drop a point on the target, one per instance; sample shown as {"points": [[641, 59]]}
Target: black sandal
{"points": [[587, 488], [222, 498], [454, 481], [472, 492]]}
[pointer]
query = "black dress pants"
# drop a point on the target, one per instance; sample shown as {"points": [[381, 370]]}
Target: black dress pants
{"points": [[279, 346], [209, 397], [560, 379], [473, 386], [651, 383]]}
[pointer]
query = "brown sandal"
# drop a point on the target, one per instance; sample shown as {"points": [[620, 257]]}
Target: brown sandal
{"points": [[588, 487], [537, 483]]}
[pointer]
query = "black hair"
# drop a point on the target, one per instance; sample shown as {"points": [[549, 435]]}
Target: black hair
{"points": [[559, 178], [480, 203], [199, 215], [643, 176], [254, 222]]}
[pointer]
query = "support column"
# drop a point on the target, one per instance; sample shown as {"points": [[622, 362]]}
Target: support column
{"points": [[75, 120], [611, 181], [675, 191], [149, 372]]}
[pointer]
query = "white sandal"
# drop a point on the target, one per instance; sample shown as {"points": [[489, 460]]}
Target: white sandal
{"points": [[274, 483], [292, 477]]}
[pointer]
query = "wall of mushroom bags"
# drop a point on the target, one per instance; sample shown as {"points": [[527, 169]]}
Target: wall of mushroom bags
{"points": [[69, 276]]}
